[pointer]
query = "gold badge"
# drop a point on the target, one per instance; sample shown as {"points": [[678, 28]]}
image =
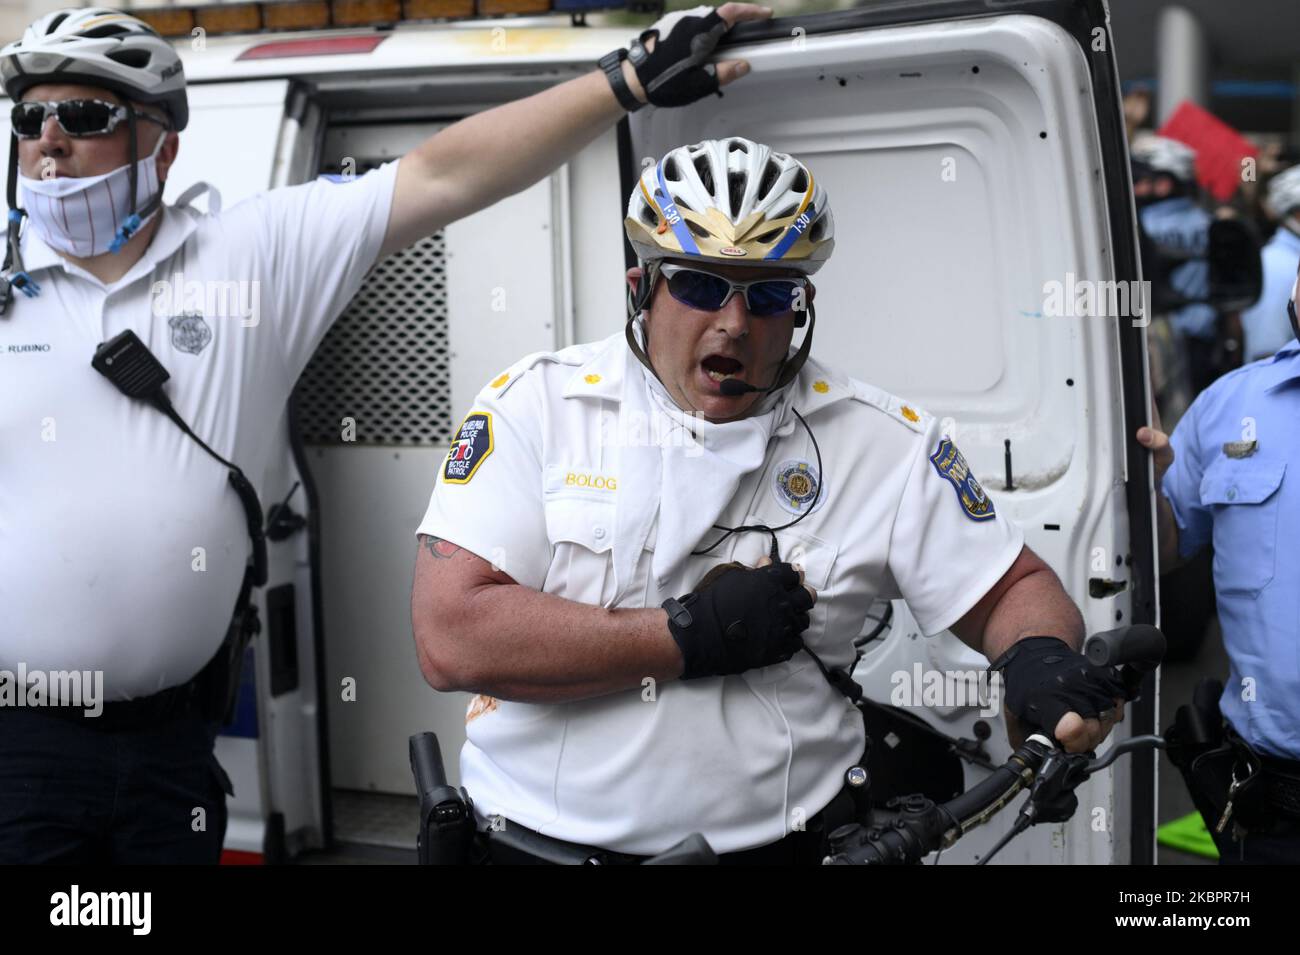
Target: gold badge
{"points": [[499, 380], [1240, 449], [909, 414]]}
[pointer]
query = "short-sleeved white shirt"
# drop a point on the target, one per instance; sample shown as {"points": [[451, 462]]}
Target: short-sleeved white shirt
{"points": [[104, 502], [740, 758]]}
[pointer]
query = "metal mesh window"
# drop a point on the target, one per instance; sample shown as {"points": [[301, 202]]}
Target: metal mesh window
{"points": [[385, 361]]}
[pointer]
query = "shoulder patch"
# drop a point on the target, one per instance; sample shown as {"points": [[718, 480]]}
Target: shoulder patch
{"points": [[898, 409], [952, 467], [469, 448]]}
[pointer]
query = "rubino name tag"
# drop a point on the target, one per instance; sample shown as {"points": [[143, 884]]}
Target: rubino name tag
{"points": [[950, 464], [469, 448]]}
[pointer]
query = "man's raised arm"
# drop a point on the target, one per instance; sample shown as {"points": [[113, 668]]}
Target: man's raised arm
{"points": [[496, 153]]}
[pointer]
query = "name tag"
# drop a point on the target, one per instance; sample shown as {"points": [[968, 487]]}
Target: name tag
{"points": [[1240, 449], [580, 480]]}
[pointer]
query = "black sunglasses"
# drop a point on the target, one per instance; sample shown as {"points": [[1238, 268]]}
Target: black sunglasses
{"points": [[76, 117], [709, 292]]}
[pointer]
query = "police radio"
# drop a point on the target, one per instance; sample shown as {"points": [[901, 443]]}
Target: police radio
{"points": [[133, 369]]}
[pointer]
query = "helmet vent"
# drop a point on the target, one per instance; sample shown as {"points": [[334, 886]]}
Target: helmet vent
{"points": [[670, 169], [683, 203], [138, 59], [770, 174], [54, 24], [736, 183], [768, 236], [648, 216], [787, 211], [705, 173], [800, 183], [698, 229], [106, 30], [738, 147], [817, 231]]}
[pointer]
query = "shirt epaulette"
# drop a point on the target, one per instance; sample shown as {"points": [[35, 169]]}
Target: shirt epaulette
{"points": [[891, 405], [503, 382]]}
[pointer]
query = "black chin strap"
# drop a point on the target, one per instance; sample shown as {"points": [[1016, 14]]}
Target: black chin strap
{"points": [[14, 275], [136, 219]]}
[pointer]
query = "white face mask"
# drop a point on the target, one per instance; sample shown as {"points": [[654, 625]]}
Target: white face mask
{"points": [[81, 216]]}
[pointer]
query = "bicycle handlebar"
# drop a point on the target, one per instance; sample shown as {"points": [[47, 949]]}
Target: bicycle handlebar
{"points": [[912, 827]]}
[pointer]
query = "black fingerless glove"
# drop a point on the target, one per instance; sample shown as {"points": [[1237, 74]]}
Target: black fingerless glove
{"points": [[1043, 679], [676, 72], [741, 619]]}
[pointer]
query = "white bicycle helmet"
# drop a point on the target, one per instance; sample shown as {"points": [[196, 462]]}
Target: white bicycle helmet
{"points": [[731, 201], [95, 46], [1161, 154], [1284, 192]]}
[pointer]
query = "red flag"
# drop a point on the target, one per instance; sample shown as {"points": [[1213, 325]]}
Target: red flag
{"points": [[1219, 148]]}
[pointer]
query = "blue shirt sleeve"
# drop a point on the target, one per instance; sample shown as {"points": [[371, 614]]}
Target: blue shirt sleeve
{"points": [[1182, 484]]}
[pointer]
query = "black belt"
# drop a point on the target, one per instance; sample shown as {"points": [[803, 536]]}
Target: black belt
{"points": [[1280, 785], [166, 706], [519, 845], [1273, 799]]}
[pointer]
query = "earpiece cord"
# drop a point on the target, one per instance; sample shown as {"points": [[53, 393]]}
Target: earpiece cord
{"points": [[774, 553]]}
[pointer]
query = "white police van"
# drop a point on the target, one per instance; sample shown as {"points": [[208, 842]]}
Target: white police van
{"points": [[975, 154]]}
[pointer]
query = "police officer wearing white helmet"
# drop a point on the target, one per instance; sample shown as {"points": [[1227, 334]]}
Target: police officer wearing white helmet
{"points": [[1174, 257], [104, 500], [647, 556], [1264, 325]]}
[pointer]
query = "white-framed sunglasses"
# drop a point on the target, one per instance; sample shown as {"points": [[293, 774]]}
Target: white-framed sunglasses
{"points": [[76, 117], [708, 292]]}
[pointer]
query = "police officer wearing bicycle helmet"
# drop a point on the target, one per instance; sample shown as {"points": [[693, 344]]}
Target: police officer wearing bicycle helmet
{"points": [[123, 547], [647, 556], [1176, 233], [1265, 328]]}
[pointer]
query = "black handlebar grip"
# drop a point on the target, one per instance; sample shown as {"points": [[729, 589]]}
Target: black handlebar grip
{"points": [[426, 764], [1140, 646]]}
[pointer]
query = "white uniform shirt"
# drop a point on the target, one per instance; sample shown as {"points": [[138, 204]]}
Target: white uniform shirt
{"points": [[547, 479], [103, 500]]}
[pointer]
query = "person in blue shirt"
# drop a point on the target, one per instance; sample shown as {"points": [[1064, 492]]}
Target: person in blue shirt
{"points": [[1178, 230], [1230, 476], [1264, 324]]}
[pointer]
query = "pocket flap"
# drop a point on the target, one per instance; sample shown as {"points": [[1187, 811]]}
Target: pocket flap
{"points": [[1241, 481], [589, 523]]}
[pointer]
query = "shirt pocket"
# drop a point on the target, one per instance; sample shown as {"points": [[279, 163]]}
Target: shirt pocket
{"points": [[817, 558], [1242, 495], [581, 532]]}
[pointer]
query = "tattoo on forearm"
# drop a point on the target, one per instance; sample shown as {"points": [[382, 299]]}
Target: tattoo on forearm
{"points": [[439, 548]]}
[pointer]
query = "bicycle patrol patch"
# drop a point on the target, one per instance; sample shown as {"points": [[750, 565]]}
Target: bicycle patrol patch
{"points": [[795, 485], [469, 448], [950, 464]]}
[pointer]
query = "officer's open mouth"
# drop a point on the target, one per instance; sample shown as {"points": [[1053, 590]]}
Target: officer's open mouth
{"points": [[720, 367]]}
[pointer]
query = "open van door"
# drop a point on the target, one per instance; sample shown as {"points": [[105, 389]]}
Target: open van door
{"points": [[975, 158]]}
